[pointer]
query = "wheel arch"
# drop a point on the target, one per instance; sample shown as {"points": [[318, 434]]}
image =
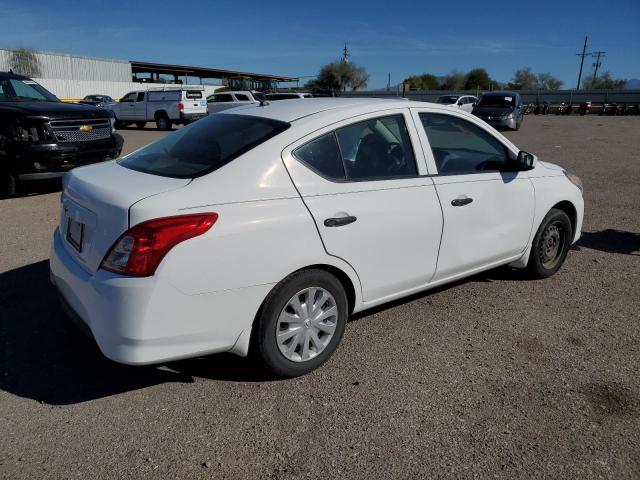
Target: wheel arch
{"points": [[160, 113], [569, 208], [243, 342]]}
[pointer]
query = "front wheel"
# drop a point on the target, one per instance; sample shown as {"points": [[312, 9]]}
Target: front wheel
{"points": [[550, 245], [300, 323], [8, 185]]}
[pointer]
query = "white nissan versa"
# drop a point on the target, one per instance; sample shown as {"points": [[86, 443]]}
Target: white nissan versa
{"points": [[261, 229]]}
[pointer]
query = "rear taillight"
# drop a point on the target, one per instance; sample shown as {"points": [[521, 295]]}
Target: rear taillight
{"points": [[181, 106], [139, 251]]}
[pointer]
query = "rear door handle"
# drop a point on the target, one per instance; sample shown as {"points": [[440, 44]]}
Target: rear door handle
{"points": [[339, 221], [461, 202]]}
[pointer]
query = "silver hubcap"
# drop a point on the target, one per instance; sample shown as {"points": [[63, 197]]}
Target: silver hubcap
{"points": [[306, 324]]}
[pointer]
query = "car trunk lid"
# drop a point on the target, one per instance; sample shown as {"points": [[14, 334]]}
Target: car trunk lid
{"points": [[95, 207]]}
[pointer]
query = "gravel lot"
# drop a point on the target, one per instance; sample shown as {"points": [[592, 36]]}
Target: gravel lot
{"points": [[490, 377]]}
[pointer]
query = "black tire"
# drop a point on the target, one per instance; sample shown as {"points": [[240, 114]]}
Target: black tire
{"points": [[264, 347], [8, 185], [140, 124], [545, 259], [163, 122]]}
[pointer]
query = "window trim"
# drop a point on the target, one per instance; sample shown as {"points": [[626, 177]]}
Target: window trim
{"points": [[344, 166]]}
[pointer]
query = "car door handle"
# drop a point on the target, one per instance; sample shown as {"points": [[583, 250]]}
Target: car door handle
{"points": [[339, 221], [461, 202]]}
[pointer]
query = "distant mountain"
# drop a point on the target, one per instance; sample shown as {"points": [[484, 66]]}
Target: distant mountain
{"points": [[632, 84]]}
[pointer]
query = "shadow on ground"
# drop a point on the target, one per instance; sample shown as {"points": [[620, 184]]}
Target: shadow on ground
{"points": [[45, 358], [611, 241]]}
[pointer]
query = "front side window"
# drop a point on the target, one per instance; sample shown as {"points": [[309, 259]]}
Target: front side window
{"points": [[129, 97], [223, 97], [460, 147], [374, 149], [140, 97], [204, 146]]}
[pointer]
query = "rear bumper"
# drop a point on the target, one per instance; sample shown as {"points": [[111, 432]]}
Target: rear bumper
{"points": [[37, 162], [141, 321], [191, 117]]}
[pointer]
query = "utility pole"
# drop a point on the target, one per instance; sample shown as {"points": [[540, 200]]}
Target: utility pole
{"points": [[582, 55], [345, 53], [389, 83], [597, 63]]}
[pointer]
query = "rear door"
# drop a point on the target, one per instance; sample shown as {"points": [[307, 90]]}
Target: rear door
{"points": [[365, 184], [488, 204]]}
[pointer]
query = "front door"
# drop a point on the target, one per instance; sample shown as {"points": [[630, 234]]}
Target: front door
{"points": [[487, 203], [362, 184]]}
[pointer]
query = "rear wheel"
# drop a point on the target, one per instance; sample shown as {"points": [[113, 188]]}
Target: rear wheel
{"points": [[300, 323], [550, 245], [163, 122]]}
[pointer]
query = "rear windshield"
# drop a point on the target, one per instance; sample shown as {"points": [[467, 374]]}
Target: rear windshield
{"points": [[203, 146], [447, 99], [194, 94], [497, 101]]}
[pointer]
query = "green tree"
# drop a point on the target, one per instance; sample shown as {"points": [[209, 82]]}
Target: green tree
{"points": [[546, 81], [453, 81], [604, 82], [523, 79], [426, 81], [25, 62], [478, 78], [337, 76]]}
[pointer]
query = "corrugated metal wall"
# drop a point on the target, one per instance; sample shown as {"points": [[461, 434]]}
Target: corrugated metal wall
{"points": [[71, 67], [72, 77]]}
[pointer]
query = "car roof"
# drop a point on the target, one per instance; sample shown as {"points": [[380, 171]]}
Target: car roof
{"points": [[292, 110], [501, 93], [17, 76]]}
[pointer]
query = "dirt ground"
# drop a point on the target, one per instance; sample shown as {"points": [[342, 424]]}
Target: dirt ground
{"points": [[493, 376]]}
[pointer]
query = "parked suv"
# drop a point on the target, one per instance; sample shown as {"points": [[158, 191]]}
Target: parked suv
{"points": [[165, 106], [226, 100], [464, 102], [42, 137]]}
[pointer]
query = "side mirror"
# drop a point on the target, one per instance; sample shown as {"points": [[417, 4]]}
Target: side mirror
{"points": [[474, 104], [526, 160]]}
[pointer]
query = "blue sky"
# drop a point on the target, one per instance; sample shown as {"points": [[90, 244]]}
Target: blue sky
{"points": [[295, 38]]}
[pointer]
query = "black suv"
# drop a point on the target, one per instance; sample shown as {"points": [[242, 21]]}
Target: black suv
{"points": [[42, 137]]}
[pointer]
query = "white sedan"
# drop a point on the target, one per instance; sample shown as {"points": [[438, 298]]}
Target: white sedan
{"points": [[263, 228]]}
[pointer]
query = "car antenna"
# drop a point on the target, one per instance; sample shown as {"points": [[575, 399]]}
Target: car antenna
{"points": [[262, 98]]}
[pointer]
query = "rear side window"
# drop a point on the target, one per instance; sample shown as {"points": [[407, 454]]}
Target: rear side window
{"points": [[170, 96], [204, 146], [241, 97], [375, 149], [323, 156], [223, 97]]}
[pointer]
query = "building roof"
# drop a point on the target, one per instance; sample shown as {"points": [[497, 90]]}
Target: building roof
{"points": [[203, 72]]}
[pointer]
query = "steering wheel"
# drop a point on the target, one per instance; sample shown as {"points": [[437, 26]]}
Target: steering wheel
{"points": [[395, 153]]}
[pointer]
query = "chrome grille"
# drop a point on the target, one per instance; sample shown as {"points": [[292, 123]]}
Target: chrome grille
{"points": [[73, 130]]}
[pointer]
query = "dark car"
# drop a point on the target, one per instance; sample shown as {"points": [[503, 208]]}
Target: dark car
{"points": [[500, 109], [42, 137], [97, 100]]}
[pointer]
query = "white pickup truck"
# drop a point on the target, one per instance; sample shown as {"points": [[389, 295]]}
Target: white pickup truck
{"points": [[166, 106]]}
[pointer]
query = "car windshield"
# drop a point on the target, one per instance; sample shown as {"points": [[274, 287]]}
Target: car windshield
{"points": [[204, 146], [447, 99], [497, 101], [19, 90]]}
